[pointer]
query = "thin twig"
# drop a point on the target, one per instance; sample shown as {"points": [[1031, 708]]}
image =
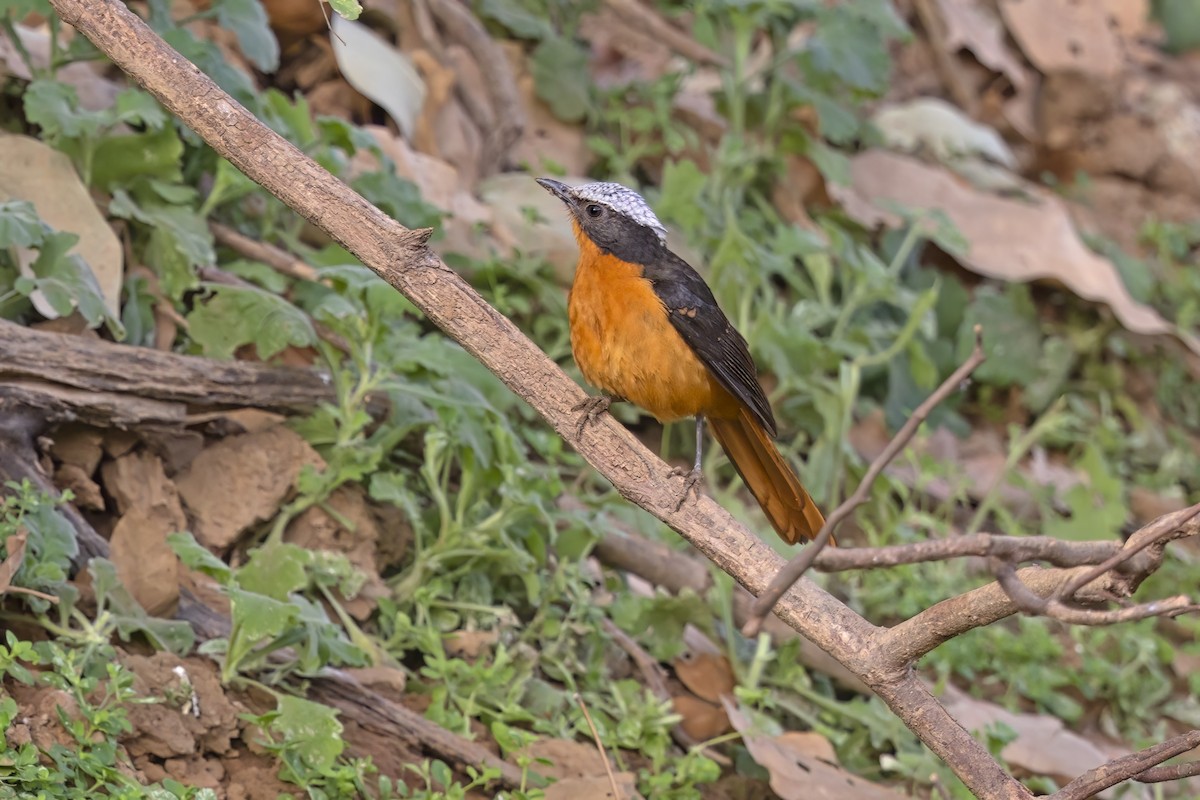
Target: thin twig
{"points": [[612, 779], [1174, 772], [1032, 603], [274, 257], [1017, 549], [1158, 531], [26, 590], [796, 568], [1133, 765], [645, 18]]}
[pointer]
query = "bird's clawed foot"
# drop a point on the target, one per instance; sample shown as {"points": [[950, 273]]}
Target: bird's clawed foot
{"points": [[591, 409], [691, 483]]}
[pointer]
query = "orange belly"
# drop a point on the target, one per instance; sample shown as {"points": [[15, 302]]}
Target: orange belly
{"points": [[626, 346]]}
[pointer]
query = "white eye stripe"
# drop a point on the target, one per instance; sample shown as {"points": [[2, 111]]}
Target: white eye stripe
{"points": [[624, 201]]}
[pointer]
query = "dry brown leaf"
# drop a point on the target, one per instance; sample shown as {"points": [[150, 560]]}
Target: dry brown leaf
{"points": [[45, 177], [973, 26], [1064, 36], [796, 775], [1015, 240], [14, 548], [810, 743], [701, 720], [568, 758], [294, 19], [545, 138], [470, 644], [389, 680], [150, 510], [707, 675], [1043, 745], [441, 186]]}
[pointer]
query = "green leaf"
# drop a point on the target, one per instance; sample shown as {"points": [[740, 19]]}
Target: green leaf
{"points": [[682, 183], [519, 20], [20, 225], [179, 236], [248, 21], [1010, 335], [276, 570], [1098, 509], [310, 730], [1053, 369], [257, 617], [55, 107], [350, 9], [129, 616], [398, 197], [67, 281], [560, 77], [120, 159], [136, 107], [233, 316], [196, 556]]}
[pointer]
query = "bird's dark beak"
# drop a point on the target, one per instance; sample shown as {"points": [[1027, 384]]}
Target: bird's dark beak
{"points": [[559, 190]]}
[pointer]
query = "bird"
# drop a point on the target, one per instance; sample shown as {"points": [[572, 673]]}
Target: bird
{"points": [[645, 328]]}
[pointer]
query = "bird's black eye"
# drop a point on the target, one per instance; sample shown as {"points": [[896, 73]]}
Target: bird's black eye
{"points": [[594, 211]]}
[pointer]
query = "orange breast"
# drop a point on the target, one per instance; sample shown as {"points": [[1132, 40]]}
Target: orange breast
{"points": [[625, 345]]}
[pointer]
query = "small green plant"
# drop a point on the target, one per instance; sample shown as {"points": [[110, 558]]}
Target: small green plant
{"points": [[270, 613], [95, 691]]}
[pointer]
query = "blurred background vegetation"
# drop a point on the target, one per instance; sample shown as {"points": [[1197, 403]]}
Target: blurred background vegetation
{"points": [[860, 182]]}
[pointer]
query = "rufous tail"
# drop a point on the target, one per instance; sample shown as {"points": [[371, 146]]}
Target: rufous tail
{"points": [[784, 500]]}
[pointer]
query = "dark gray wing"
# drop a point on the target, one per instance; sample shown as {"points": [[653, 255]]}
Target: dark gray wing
{"points": [[695, 314]]}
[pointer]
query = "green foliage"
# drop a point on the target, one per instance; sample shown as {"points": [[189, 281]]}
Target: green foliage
{"points": [[233, 316], [61, 277], [49, 546], [96, 691], [270, 612]]}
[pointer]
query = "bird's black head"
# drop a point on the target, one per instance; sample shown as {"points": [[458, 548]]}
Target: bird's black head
{"points": [[615, 218]]}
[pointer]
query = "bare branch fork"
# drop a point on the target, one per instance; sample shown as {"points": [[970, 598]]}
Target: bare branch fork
{"points": [[805, 558], [880, 657]]}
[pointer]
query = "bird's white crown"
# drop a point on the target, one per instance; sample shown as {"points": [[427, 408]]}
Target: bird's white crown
{"points": [[624, 201]]}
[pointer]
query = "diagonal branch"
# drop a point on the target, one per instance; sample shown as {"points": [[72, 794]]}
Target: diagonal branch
{"points": [[1094, 781]]}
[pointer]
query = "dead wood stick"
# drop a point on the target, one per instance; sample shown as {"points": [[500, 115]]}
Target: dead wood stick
{"points": [[392, 722], [508, 121], [274, 257], [374, 714], [914, 637], [647, 20], [31, 358], [799, 564]]}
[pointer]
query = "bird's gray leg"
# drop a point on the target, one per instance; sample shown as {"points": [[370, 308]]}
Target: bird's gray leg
{"points": [[691, 479]]}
